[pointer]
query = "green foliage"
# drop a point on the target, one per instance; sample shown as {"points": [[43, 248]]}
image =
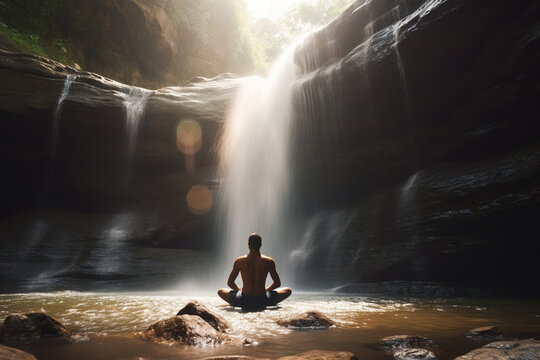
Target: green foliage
{"points": [[234, 39], [211, 37], [22, 42], [28, 25], [277, 33]]}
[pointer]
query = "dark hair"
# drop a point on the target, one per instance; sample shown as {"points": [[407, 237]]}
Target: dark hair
{"points": [[255, 241]]}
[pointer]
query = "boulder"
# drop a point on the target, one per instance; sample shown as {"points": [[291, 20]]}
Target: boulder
{"points": [[310, 319], [186, 330], [485, 333], [396, 342], [196, 308], [505, 350], [414, 354], [9, 353], [31, 325]]}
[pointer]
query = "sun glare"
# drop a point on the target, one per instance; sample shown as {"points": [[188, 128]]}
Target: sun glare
{"points": [[270, 8]]}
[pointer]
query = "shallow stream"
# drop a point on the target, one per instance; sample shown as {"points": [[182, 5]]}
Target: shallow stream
{"points": [[104, 325]]}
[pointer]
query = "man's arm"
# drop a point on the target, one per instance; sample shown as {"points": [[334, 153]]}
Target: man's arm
{"points": [[275, 277], [232, 277]]}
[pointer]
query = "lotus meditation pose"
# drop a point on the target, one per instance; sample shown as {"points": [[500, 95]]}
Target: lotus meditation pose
{"points": [[254, 268]]}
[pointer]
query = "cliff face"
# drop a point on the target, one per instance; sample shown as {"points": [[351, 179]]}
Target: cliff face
{"points": [[416, 157], [62, 199], [424, 150], [138, 42]]}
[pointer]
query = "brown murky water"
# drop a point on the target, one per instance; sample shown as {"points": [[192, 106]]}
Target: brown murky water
{"points": [[104, 324]]}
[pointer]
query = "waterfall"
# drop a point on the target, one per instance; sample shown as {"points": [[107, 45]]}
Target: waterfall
{"points": [[58, 110], [55, 129], [134, 105], [403, 80], [254, 166]]}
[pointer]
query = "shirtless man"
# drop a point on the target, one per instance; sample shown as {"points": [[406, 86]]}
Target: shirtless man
{"points": [[254, 268]]}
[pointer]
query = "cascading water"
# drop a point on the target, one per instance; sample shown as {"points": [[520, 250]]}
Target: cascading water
{"points": [[399, 61], [254, 166], [134, 105], [55, 128], [109, 255], [40, 227], [58, 110]]}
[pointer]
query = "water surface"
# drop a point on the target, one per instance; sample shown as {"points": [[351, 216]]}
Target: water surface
{"points": [[104, 325]]}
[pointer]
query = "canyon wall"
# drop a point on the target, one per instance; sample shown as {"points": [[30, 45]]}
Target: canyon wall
{"points": [[416, 157]]}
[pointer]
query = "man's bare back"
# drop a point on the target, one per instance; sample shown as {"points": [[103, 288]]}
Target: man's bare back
{"points": [[254, 268]]}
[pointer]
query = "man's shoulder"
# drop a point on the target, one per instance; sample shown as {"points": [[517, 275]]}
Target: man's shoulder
{"points": [[267, 258], [241, 258]]}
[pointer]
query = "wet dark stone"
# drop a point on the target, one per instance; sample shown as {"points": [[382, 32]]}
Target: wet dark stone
{"points": [[185, 329], [396, 342], [485, 333], [310, 319], [32, 325], [505, 350], [9, 353], [414, 354], [196, 308]]}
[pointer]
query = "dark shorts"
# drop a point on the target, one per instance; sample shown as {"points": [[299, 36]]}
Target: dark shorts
{"points": [[244, 301]]}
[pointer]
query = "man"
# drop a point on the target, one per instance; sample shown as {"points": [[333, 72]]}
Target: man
{"points": [[254, 267]]}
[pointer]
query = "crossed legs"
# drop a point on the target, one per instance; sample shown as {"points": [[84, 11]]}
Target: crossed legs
{"points": [[277, 295]]}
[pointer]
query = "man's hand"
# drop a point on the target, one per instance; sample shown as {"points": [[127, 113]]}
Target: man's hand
{"points": [[232, 277], [275, 277]]}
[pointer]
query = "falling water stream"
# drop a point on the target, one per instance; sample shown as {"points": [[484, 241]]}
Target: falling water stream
{"points": [[134, 106], [254, 164], [58, 110], [37, 232]]}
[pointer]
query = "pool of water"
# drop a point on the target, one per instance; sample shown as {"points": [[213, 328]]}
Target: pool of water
{"points": [[104, 325]]}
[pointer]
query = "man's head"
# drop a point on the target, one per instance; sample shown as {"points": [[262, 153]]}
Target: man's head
{"points": [[255, 241]]}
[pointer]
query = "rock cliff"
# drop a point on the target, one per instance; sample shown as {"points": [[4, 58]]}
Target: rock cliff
{"points": [[88, 184], [422, 116], [416, 157]]}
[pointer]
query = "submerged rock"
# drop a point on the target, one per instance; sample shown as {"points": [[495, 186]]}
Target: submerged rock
{"points": [[505, 350], [186, 330], [9, 353], [198, 309], [485, 333], [414, 354], [310, 319], [404, 341], [31, 325]]}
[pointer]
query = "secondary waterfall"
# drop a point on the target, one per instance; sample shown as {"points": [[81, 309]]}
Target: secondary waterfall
{"points": [[254, 166], [58, 110], [134, 105]]}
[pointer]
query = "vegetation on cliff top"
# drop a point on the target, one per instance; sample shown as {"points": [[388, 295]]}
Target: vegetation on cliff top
{"points": [[156, 43], [142, 42]]}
